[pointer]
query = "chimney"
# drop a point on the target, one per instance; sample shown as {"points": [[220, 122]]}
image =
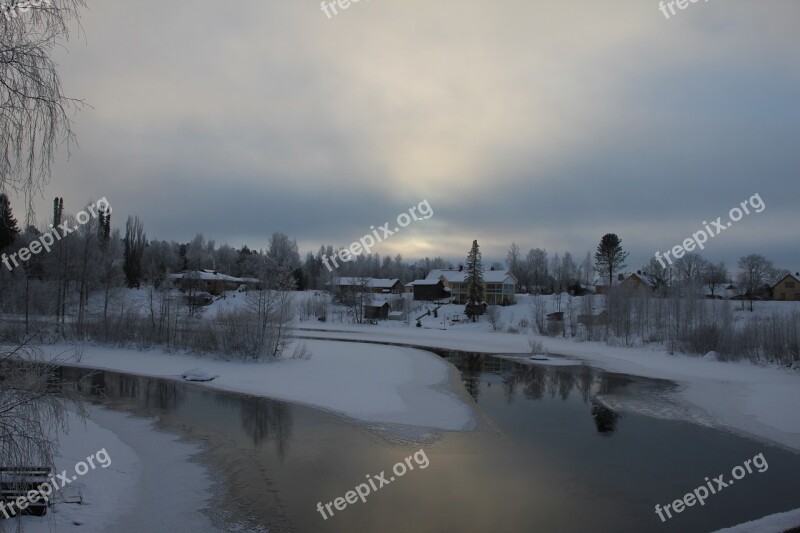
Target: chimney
{"points": [[639, 272], [461, 268]]}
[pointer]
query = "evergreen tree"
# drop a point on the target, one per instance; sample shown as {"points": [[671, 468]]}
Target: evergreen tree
{"points": [[104, 226], [135, 242], [8, 224], [58, 211], [474, 280], [609, 256]]}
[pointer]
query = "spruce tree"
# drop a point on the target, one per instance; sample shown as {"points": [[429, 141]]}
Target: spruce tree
{"points": [[609, 256], [8, 224], [58, 211], [473, 281]]}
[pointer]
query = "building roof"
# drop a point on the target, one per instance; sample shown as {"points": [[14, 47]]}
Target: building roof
{"points": [[456, 276], [210, 275], [795, 276], [372, 283], [428, 282], [644, 278]]}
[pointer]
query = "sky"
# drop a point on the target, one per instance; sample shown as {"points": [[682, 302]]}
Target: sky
{"points": [[545, 123]]}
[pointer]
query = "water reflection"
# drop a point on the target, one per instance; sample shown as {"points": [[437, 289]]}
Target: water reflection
{"points": [[262, 419], [536, 382]]}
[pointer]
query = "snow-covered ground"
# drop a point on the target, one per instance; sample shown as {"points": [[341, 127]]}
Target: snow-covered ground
{"points": [[777, 523], [375, 384], [150, 484]]}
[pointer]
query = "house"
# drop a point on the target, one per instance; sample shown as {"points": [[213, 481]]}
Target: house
{"points": [[601, 285], [638, 281], [377, 311], [430, 290], [499, 285], [787, 289], [212, 281], [375, 285]]}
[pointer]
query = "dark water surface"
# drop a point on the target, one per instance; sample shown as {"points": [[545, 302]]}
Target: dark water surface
{"points": [[548, 457]]}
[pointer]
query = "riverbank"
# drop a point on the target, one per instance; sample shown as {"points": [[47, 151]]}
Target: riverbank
{"points": [[368, 383], [756, 401], [151, 483]]}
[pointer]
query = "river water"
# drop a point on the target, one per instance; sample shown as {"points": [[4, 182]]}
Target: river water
{"points": [[548, 456]]}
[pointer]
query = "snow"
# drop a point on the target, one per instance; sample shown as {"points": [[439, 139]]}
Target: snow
{"points": [[375, 384], [149, 473], [758, 401], [198, 374], [777, 523]]}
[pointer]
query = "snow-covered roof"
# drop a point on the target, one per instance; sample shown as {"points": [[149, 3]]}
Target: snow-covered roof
{"points": [[456, 276], [644, 278], [425, 282], [208, 275], [372, 283]]}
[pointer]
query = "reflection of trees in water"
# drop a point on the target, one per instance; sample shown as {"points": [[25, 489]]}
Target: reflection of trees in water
{"points": [[471, 370], [161, 395], [604, 418], [536, 381], [263, 419]]}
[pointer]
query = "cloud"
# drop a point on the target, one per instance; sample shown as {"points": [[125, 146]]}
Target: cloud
{"points": [[540, 122]]}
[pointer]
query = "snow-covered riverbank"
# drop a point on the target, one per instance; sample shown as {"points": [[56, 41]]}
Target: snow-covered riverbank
{"points": [[369, 383], [150, 485], [758, 401]]}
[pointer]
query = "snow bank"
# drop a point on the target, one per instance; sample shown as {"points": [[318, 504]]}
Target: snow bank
{"points": [[376, 384], [199, 374], [776, 523], [165, 493]]}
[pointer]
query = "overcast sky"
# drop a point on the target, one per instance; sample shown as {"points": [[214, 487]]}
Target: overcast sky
{"points": [[545, 123]]}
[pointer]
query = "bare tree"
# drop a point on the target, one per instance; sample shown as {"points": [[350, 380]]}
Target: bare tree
{"points": [[659, 274], [493, 315], [754, 271], [691, 268], [715, 276], [34, 403], [34, 112]]}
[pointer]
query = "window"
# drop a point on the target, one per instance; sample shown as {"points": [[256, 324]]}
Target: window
{"points": [[790, 284]]}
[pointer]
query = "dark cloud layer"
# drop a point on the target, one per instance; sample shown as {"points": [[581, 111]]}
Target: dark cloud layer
{"points": [[545, 123]]}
